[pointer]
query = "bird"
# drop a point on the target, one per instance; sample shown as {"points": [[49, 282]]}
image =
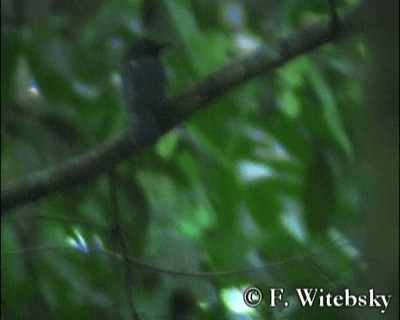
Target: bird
{"points": [[143, 88]]}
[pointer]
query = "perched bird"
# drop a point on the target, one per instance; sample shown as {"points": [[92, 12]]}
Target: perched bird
{"points": [[143, 85]]}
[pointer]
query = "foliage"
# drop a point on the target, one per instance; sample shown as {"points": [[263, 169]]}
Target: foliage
{"points": [[264, 175]]}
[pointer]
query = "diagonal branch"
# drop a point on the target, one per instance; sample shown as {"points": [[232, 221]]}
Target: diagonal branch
{"points": [[98, 161]]}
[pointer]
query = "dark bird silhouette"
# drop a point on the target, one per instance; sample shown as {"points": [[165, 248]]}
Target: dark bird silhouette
{"points": [[143, 84]]}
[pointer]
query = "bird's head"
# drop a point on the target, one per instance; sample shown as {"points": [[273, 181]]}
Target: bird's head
{"points": [[145, 47]]}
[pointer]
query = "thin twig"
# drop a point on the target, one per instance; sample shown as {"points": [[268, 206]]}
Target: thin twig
{"points": [[176, 273], [122, 241]]}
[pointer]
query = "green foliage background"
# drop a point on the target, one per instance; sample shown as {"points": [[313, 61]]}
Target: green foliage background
{"points": [[266, 174]]}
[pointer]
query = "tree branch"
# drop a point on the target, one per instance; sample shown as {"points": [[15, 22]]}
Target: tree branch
{"points": [[98, 161]]}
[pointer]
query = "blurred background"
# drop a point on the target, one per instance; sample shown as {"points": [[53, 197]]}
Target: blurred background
{"points": [[297, 169]]}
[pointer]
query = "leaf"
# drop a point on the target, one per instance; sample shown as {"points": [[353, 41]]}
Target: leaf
{"points": [[319, 194], [289, 103], [330, 111]]}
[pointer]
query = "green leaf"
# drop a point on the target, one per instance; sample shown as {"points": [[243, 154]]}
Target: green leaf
{"points": [[289, 103], [319, 194], [330, 111]]}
